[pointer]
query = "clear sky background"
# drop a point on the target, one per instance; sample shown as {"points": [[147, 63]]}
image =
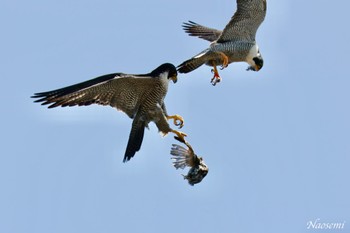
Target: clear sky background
{"points": [[277, 142]]}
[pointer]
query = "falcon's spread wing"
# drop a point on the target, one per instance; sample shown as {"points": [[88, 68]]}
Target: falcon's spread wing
{"points": [[206, 33], [245, 22], [121, 91]]}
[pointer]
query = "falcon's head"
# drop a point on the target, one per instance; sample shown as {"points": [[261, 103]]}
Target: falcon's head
{"points": [[168, 70], [256, 63]]}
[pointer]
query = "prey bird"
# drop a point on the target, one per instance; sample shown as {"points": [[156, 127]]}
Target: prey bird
{"points": [[183, 158], [236, 43], [140, 96]]}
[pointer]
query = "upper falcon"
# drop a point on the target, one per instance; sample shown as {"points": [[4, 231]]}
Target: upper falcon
{"points": [[236, 43], [141, 97]]}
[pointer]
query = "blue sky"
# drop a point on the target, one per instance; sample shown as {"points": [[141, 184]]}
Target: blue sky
{"points": [[276, 141]]}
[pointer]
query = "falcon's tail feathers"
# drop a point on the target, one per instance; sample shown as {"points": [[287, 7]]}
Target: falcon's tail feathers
{"points": [[189, 65], [135, 139], [193, 63]]}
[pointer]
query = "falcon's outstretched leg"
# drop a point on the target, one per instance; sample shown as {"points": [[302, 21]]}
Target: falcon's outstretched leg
{"points": [[216, 78], [178, 120], [224, 60]]}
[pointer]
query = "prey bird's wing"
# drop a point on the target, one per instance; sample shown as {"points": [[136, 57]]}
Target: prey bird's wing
{"points": [[183, 157], [121, 91], [245, 22], [206, 33]]}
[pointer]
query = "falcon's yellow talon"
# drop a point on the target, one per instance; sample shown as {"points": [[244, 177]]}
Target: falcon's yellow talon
{"points": [[181, 136], [178, 120]]}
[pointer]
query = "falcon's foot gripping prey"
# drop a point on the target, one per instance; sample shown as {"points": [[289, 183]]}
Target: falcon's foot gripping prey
{"points": [[180, 136]]}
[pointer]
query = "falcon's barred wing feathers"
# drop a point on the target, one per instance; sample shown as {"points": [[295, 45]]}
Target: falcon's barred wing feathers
{"points": [[206, 33], [118, 90], [245, 22]]}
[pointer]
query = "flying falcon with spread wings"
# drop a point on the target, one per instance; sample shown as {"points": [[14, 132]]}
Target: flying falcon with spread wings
{"points": [[141, 97], [236, 43]]}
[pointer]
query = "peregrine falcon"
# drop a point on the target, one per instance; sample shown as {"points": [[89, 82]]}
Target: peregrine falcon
{"points": [[140, 96], [236, 43]]}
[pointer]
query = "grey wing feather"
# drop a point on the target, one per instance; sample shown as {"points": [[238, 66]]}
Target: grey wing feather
{"points": [[118, 90], [135, 138], [206, 33], [245, 22]]}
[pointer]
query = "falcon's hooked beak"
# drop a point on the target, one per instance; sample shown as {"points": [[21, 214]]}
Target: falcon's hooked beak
{"points": [[174, 78], [258, 67]]}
